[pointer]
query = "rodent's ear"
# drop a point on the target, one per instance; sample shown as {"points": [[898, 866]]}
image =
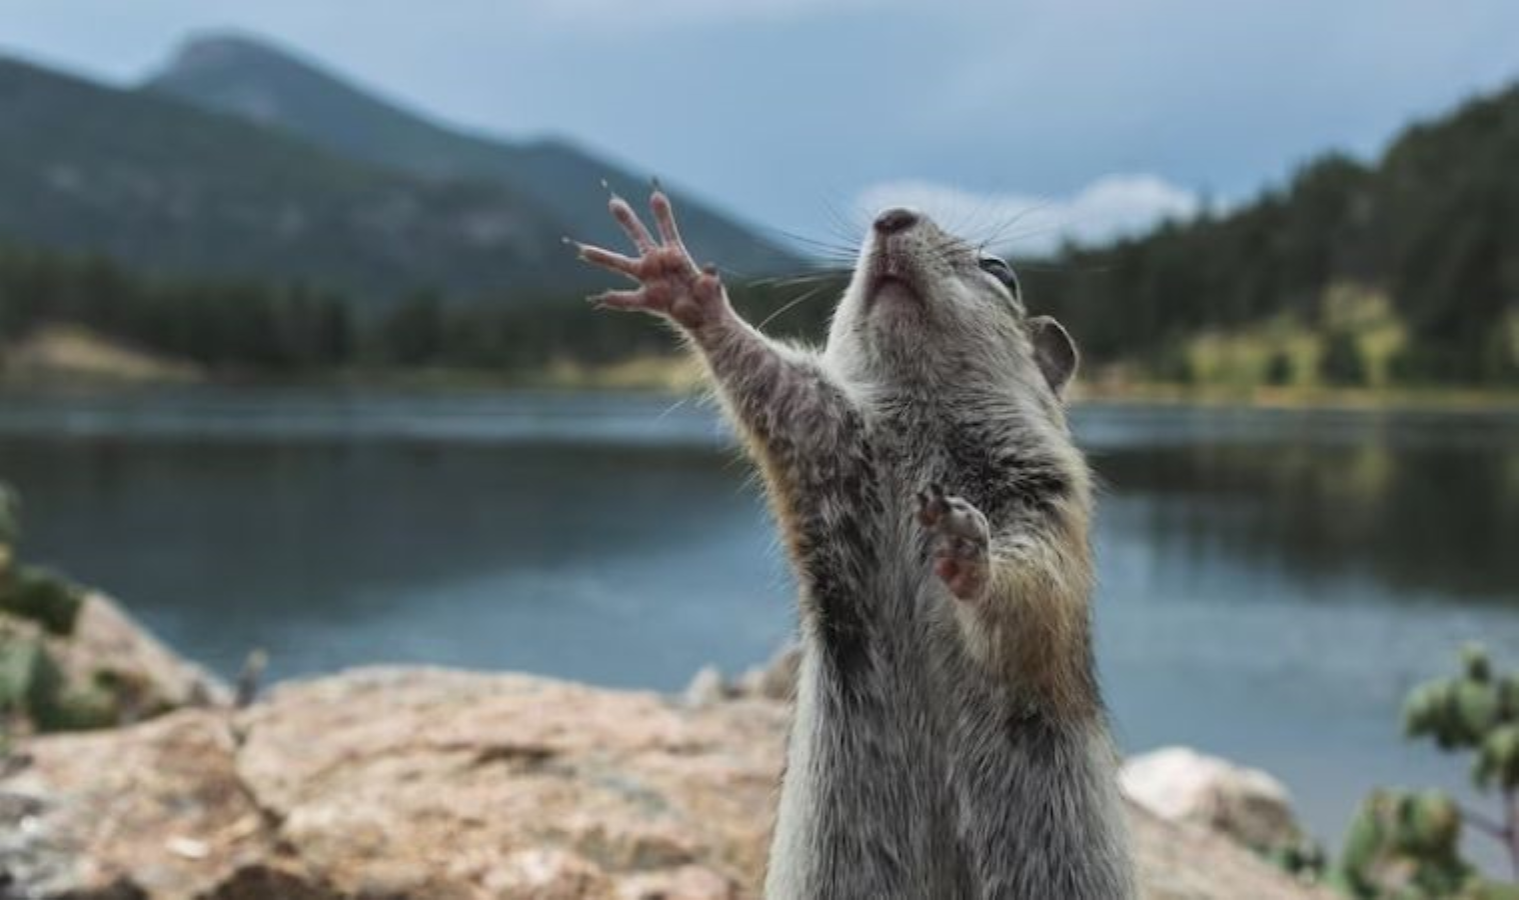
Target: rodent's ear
{"points": [[1054, 351]]}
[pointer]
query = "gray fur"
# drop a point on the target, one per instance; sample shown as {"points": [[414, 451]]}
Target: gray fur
{"points": [[944, 746]]}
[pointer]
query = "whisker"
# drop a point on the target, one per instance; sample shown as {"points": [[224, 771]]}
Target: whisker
{"points": [[812, 242], [1009, 242], [844, 226], [673, 407], [972, 220], [790, 306], [819, 265], [998, 234], [819, 274]]}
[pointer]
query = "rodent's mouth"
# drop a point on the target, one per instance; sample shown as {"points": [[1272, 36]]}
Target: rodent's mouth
{"points": [[883, 285], [891, 292], [889, 280]]}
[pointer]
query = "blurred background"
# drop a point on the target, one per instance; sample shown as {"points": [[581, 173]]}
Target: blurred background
{"points": [[294, 359]]}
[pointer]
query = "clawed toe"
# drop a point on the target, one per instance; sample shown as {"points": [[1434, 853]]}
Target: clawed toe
{"points": [[960, 540], [669, 282], [932, 505], [631, 225], [607, 259], [937, 510], [958, 547]]}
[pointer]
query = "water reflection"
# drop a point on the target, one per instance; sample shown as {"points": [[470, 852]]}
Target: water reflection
{"points": [[1418, 516], [1271, 581]]}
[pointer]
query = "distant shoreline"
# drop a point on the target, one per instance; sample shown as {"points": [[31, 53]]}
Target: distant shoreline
{"points": [[684, 375], [1442, 398], [73, 358]]}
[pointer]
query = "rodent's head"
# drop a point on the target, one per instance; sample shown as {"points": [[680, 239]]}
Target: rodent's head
{"points": [[926, 306]]}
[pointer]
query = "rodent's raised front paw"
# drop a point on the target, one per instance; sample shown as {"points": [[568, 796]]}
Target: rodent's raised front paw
{"points": [[669, 282], [960, 541]]}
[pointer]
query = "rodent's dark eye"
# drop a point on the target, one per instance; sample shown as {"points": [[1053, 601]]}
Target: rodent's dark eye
{"points": [[1000, 270]]}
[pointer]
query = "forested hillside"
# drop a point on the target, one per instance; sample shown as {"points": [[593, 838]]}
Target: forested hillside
{"points": [[200, 236], [167, 187], [1406, 270], [251, 326], [264, 83]]}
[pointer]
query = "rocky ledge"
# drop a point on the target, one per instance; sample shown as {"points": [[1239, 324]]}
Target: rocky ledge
{"points": [[425, 783]]}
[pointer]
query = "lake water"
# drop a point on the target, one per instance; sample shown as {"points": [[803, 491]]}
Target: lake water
{"points": [[1272, 582]]}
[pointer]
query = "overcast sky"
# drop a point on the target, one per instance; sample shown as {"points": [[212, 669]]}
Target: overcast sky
{"points": [[1098, 116]]}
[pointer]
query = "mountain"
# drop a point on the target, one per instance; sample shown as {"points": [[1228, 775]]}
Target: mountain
{"points": [[253, 79], [168, 187], [1399, 269]]}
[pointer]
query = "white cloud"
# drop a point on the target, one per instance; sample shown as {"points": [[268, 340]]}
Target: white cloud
{"points": [[1110, 207]]}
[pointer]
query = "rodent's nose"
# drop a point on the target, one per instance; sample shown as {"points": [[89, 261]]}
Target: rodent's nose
{"points": [[894, 220]]}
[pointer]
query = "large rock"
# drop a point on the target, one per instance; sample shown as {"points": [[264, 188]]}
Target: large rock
{"points": [[1181, 785], [421, 783], [155, 810]]}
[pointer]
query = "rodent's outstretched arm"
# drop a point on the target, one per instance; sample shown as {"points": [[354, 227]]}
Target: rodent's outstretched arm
{"points": [[797, 420], [804, 431], [1021, 591]]}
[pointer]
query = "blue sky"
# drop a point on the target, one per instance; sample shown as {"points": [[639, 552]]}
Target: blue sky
{"points": [[1088, 117]]}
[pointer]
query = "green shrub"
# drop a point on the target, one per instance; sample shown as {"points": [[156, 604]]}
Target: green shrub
{"points": [[1341, 363], [75, 709], [33, 687], [1279, 369], [43, 597], [30, 680], [1417, 836], [10, 514]]}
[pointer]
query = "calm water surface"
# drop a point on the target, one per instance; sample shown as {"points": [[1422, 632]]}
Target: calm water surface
{"points": [[1272, 582]]}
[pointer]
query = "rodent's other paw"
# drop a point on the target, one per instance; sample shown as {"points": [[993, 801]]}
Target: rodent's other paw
{"points": [[960, 541], [669, 282]]}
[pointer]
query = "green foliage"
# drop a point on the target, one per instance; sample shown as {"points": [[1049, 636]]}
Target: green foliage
{"points": [[1406, 846], [1304, 859], [33, 687], [413, 334], [1341, 363], [227, 324], [10, 515], [29, 592], [72, 708], [1279, 369], [1498, 758], [29, 679], [263, 328], [1475, 711], [41, 596]]}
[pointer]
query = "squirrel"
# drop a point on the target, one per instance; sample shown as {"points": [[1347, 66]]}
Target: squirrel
{"points": [[949, 738]]}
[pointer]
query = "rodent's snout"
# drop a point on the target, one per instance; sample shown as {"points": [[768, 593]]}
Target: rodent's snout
{"points": [[895, 220]]}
